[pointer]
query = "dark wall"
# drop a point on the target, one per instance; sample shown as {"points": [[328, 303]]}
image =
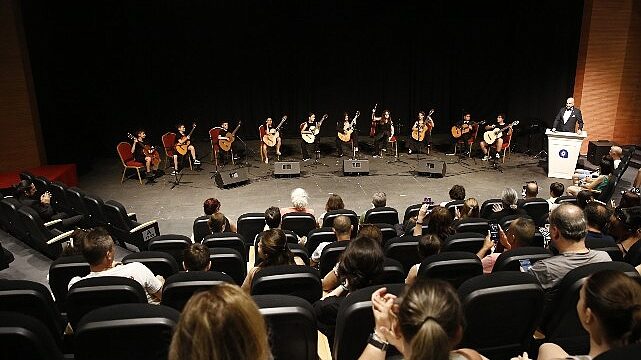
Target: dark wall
{"points": [[103, 68]]}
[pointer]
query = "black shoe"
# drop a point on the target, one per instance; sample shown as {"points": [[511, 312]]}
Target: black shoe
{"points": [[150, 180]]}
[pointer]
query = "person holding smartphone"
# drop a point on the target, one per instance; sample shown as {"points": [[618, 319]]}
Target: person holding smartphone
{"points": [[519, 234]]}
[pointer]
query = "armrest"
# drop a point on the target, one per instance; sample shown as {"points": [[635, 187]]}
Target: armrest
{"points": [[132, 216], [52, 222], [60, 237], [142, 226]]}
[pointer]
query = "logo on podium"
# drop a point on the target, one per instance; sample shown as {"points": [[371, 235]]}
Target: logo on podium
{"points": [[563, 153]]}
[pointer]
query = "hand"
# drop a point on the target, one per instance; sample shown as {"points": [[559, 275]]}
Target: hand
{"points": [[161, 279], [503, 239], [553, 130], [45, 198], [488, 243], [521, 357], [422, 213], [497, 207], [457, 213], [382, 303], [579, 131], [373, 110]]}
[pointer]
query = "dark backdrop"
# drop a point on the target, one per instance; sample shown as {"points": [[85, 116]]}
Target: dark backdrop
{"points": [[105, 68]]}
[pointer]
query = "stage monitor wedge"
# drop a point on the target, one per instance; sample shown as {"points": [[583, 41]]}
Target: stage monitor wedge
{"points": [[431, 168], [597, 149], [228, 178], [355, 167], [286, 168]]}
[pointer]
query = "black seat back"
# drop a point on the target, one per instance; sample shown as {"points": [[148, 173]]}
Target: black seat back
{"points": [[411, 211], [42, 185], [299, 222], [393, 272], [171, 244], [381, 215], [565, 199], [388, 231], [249, 225], [405, 250], [228, 240], [510, 260], [230, 262], [179, 288], [299, 250], [330, 255], [474, 225], [630, 352], [317, 236], [486, 207], [24, 337], [59, 200], [95, 207], [38, 234], [296, 280], [10, 219], [453, 205], [468, 241], [536, 208], [159, 262], [201, 228], [452, 266], [328, 219], [61, 271]]}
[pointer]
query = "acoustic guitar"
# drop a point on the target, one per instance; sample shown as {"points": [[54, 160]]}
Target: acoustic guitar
{"points": [[182, 148], [148, 150], [419, 133], [348, 129], [270, 138], [490, 136], [309, 135], [225, 144], [459, 130]]}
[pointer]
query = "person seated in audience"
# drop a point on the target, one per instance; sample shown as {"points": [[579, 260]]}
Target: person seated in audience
{"points": [[614, 155], [507, 207], [334, 202], [556, 190], [424, 323], [272, 251], [75, 243], [439, 222], [196, 258], [626, 229], [530, 191], [217, 223], [470, 209], [212, 206], [26, 195], [609, 309], [629, 199], [300, 202], [223, 323], [637, 180], [359, 266], [379, 199], [342, 228], [567, 233], [597, 216], [583, 198], [272, 218], [428, 245], [597, 184], [457, 192], [99, 250], [519, 234]]}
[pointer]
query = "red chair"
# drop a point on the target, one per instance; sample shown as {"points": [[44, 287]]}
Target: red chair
{"points": [[127, 158], [215, 148], [392, 141], [507, 139], [470, 141], [168, 141], [261, 133]]}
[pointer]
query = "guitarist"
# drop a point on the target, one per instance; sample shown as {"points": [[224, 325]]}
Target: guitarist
{"points": [[265, 129], [137, 149], [341, 126], [310, 123], [182, 138], [384, 130], [236, 149], [500, 123], [421, 124]]}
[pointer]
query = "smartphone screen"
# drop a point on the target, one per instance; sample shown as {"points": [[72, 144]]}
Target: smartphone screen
{"points": [[494, 232], [428, 200], [525, 265]]}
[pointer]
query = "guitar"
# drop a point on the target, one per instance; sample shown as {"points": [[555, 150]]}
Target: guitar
{"points": [[270, 138], [348, 129], [491, 135], [372, 129], [459, 130], [309, 135], [419, 133], [182, 148], [148, 150], [225, 145]]}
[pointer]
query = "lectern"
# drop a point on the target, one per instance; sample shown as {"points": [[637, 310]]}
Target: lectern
{"points": [[563, 152]]}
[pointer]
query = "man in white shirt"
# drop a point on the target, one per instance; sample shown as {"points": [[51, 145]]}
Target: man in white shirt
{"points": [[99, 250], [556, 190], [342, 228]]}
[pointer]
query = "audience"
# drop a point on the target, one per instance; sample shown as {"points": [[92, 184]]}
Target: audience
{"points": [[597, 216], [272, 218], [609, 309], [272, 251], [217, 223], [567, 233], [342, 228], [530, 191], [75, 243], [519, 234], [507, 207], [379, 200], [300, 202], [427, 246], [629, 199], [584, 197], [26, 194], [425, 323], [196, 258], [470, 209], [556, 190], [221, 323], [212, 206], [439, 223], [583, 174], [334, 202], [99, 251], [597, 184], [626, 229], [457, 192]]}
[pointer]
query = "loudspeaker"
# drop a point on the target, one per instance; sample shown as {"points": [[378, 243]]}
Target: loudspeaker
{"points": [[431, 167], [598, 148], [228, 178], [286, 168], [355, 167]]}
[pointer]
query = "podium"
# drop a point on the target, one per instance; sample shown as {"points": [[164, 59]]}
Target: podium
{"points": [[563, 152]]}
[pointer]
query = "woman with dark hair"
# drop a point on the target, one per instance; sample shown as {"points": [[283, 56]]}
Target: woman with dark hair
{"points": [[469, 209], [625, 227], [422, 125], [212, 206], [439, 223], [609, 309], [342, 126], [384, 130], [629, 199], [358, 267], [606, 167], [334, 202], [425, 323], [272, 251], [428, 245], [583, 198]]}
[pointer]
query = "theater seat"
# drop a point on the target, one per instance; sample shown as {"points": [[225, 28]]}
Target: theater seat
{"points": [[452, 266], [230, 262], [299, 222], [180, 287], [381, 215], [129, 232], [61, 271], [296, 280], [171, 244], [509, 260], [159, 262], [24, 337]]}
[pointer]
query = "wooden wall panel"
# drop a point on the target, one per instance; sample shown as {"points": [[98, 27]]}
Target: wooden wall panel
{"points": [[21, 145]]}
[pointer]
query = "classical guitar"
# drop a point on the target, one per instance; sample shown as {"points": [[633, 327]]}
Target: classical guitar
{"points": [[270, 138], [372, 128], [148, 151], [348, 129], [225, 144], [181, 148], [309, 135], [490, 136], [418, 134], [459, 130]]}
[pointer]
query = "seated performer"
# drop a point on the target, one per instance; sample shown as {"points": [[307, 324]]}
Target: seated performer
{"points": [[342, 126], [265, 129], [235, 148], [500, 123], [384, 130], [309, 125], [423, 127], [183, 139], [137, 149]]}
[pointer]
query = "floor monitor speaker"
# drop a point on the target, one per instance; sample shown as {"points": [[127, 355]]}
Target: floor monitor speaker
{"points": [[431, 167], [286, 168], [355, 167], [228, 178]]}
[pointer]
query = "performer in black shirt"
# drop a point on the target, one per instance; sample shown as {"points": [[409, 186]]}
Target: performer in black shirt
{"points": [[342, 126], [422, 125], [150, 160], [500, 123], [308, 125], [26, 194], [384, 130]]}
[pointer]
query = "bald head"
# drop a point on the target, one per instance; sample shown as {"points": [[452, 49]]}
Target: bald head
{"points": [[568, 221], [531, 190], [342, 226], [569, 103]]}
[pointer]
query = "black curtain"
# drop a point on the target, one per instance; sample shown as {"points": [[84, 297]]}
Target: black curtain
{"points": [[105, 68]]}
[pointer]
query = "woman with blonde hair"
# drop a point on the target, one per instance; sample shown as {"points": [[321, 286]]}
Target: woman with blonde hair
{"points": [[470, 209], [221, 323]]}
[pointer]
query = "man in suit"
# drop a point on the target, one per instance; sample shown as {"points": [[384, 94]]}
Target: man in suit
{"points": [[567, 118]]}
